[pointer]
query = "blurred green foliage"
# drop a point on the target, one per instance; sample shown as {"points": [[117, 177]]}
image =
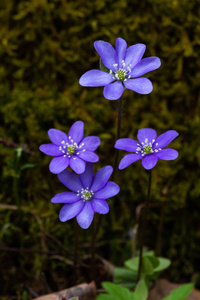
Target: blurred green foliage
{"points": [[45, 46]]}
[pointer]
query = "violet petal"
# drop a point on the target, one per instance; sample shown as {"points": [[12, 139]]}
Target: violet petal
{"points": [[70, 180], [101, 178], [69, 211], [134, 54], [85, 217], [126, 144], [58, 164], [89, 156], [164, 139], [149, 161], [95, 78], [100, 206], [106, 52], [145, 65], [91, 143], [121, 47], [146, 133], [66, 197], [77, 164], [76, 132], [51, 149], [87, 177], [110, 189], [167, 154], [57, 136], [139, 85], [113, 91], [129, 159]]}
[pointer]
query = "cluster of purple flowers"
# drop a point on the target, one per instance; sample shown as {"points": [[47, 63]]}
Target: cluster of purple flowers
{"points": [[123, 69], [88, 192]]}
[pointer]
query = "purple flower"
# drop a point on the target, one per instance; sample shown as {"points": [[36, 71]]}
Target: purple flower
{"points": [[88, 194], [124, 68], [72, 150], [149, 148]]}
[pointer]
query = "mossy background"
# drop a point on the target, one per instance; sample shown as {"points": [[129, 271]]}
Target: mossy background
{"points": [[45, 47]]}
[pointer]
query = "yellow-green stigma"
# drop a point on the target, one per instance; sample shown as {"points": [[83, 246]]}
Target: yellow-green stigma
{"points": [[86, 194], [147, 149], [70, 149], [121, 74]]}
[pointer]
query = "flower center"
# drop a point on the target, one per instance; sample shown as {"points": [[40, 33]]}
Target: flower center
{"points": [[71, 148], [86, 194], [121, 74], [147, 148]]}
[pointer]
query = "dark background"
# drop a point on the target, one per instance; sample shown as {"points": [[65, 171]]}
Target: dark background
{"points": [[45, 46]]}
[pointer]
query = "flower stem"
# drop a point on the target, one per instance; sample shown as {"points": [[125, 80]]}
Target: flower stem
{"points": [[76, 244], [146, 211], [117, 137], [93, 250], [116, 154]]}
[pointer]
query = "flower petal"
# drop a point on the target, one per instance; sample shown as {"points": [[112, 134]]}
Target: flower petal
{"points": [[146, 133], [121, 47], [66, 197], [89, 156], [91, 143], [58, 164], [70, 180], [126, 144], [71, 210], [87, 177], [139, 85], [167, 154], [110, 189], [134, 54], [95, 78], [129, 159], [85, 217], [164, 139], [145, 65], [149, 161], [77, 164], [76, 132], [50, 149], [113, 91], [57, 136], [100, 206], [101, 178], [106, 52]]}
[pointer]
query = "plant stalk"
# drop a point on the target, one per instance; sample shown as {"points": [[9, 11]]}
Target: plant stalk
{"points": [[146, 211]]}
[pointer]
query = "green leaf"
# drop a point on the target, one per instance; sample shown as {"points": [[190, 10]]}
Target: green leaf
{"points": [[181, 293], [107, 297], [133, 264], [154, 261], [102, 67], [164, 263], [121, 274], [141, 290], [27, 166], [116, 290]]}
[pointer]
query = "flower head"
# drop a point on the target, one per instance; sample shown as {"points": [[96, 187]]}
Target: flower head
{"points": [[71, 150], [124, 68], [149, 148], [88, 194]]}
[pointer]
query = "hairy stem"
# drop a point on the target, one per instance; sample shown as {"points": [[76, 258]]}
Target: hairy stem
{"points": [[146, 211]]}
